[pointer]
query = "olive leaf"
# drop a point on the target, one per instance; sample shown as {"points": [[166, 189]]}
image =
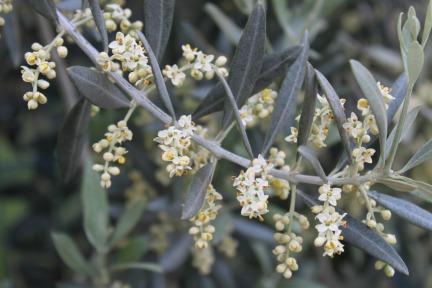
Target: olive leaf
{"points": [[228, 27], [285, 105], [415, 60], [309, 104], [313, 160], [12, 36], [136, 265], [128, 221], [427, 25], [397, 184], [274, 65], [70, 254], [97, 88], [423, 191], [99, 21], [46, 8], [197, 191], [364, 238], [160, 83], [158, 17], [370, 90], [338, 111], [247, 61], [72, 138], [404, 209], [238, 118], [178, 252], [423, 154], [95, 208]]}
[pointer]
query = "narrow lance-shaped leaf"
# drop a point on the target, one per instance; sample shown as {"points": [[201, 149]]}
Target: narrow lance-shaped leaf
{"points": [[160, 83], [228, 27], [99, 21], [247, 61], [287, 98], [128, 220], [313, 160], [175, 256], [427, 25], [12, 35], [137, 265], [70, 254], [237, 116], [338, 111], [370, 90], [309, 104], [424, 190], [72, 138], [423, 154], [397, 184], [46, 8], [415, 61], [361, 236], [158, 17], [404, 209], [95, 206], [197, 191], [274, 66], [411, 116], [97, 88]]}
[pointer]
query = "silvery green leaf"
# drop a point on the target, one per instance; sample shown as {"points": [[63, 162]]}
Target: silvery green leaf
{"points": [[307, 153], [136, 265], [128, 220], [223, 225], [254, 230], [176, 254], [72, 138], [160, 83], [95, 208], [415, 62], [225, 24], [274, 65], [84, 4], [285, 105], [427, 25], [237, 116], [424, 190], [99, 21], [397, 184], [69, 5], [364, 238], [246, 63], [132, 250], [338, 111], [409, 120], [97, 88], [423, 154], [197, 191], [309, 104], [158, 16], [46, 8], [70, 254], [12, 36], [399, 89], [370, 90], [404, 209]]}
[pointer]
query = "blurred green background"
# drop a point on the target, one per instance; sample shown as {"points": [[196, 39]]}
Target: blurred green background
{"points": [[34, 201]]}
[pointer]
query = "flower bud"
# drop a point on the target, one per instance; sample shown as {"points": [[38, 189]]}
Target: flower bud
{"points": [[62, 51], [220, 61], [32, 104], [193, 230], [319, 241], [108, 156], [113, 170], [58, 41], [43, 84], [36, 46], [281, 268], [389, 271], [379, 265], [98, 167], [105, 176], [386, 214]]}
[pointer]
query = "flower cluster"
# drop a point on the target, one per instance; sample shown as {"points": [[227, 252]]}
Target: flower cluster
{"points": [[202, 230], [115, 16], [250, 188], [359, 130], [288, 242], [202, 63], [329, 233], [132, 57], [321, 124], [174, 141], [38, 59], [116, 135], [258, 106], [5, 7]]}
